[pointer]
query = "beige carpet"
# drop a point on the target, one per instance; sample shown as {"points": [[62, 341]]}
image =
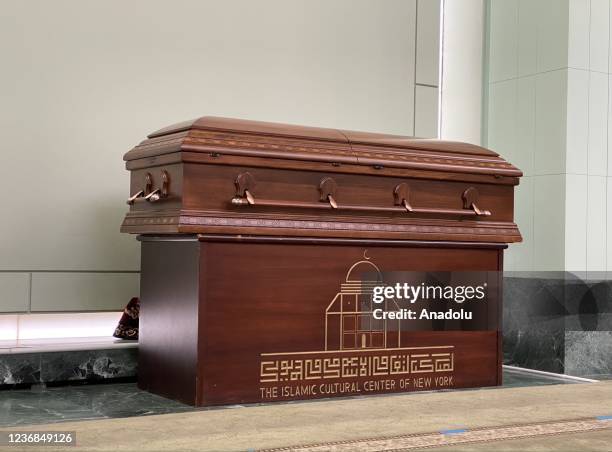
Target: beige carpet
{"points": [[304, 423], [594, 441], [458, 438]]}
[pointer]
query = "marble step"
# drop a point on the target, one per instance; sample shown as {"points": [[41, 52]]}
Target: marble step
{"points": [[70, 360]]}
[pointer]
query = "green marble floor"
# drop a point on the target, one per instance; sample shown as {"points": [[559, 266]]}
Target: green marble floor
{"points": [[116, 400], [95, 401]]}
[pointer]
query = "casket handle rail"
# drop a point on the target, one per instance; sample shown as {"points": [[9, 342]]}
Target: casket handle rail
{"points": [[148, 193], [245, 182]]}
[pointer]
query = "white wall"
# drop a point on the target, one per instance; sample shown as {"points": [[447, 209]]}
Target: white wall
{"points": [[427, 68], [549, 113], [589, 151], [527, 104], [462, 69], [82, 82]]}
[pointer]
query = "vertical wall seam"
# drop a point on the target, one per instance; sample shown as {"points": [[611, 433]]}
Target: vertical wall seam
{"points": [[416, 48], [486, 79], [589, 35], [440, 66], [532, 264], [516, 35], [18, 325], [516, 81], [30, 292], [537, 44], [588, 112], [605, 222], [538, 30], [533, 154], [536, 75]]}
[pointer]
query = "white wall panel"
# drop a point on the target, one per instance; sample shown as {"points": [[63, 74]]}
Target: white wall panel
{"points": [[525, 124], [598, 124], [503, 40], [577, 126], [571, 129], [462, 59], [609, 224], [609, 124], [549, 223], [599, 35], [426, 112], [576, 211], [428, 42], [552, 42], [519, 256], [578, 34], [502, 120], [14, 292], [551, 106], [54, 291], [609, 40], [596, 224], [527, 37]]}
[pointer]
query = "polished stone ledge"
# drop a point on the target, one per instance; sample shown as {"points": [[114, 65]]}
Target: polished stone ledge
{"points": [[22, 369]]}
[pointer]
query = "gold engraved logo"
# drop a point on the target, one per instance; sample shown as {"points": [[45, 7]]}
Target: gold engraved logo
{"points": [[349, 323], [357, 346], [385, 363]]}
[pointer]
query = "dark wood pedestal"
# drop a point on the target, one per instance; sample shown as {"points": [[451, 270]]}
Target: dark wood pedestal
{"points": [[234, 319]]}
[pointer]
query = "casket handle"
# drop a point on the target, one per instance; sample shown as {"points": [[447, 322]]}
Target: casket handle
{"points": [[162, 192], [470, 197], [327, 191], [148, 183], [154, 196], [401, 194], [133, 198], [244, 183], [148, 194]]}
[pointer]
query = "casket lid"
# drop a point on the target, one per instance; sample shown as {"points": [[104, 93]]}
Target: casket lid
{"points": [[285, 141], [252, 127]]}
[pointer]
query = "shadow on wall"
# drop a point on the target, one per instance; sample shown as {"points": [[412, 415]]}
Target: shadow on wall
{"points": [[558, 322]]}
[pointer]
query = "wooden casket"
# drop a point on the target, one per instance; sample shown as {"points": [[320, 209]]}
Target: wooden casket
{"points": [[255, 241]]}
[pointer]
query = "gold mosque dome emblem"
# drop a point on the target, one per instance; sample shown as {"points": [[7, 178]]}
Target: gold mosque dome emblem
{"points": [[349, 320]]}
